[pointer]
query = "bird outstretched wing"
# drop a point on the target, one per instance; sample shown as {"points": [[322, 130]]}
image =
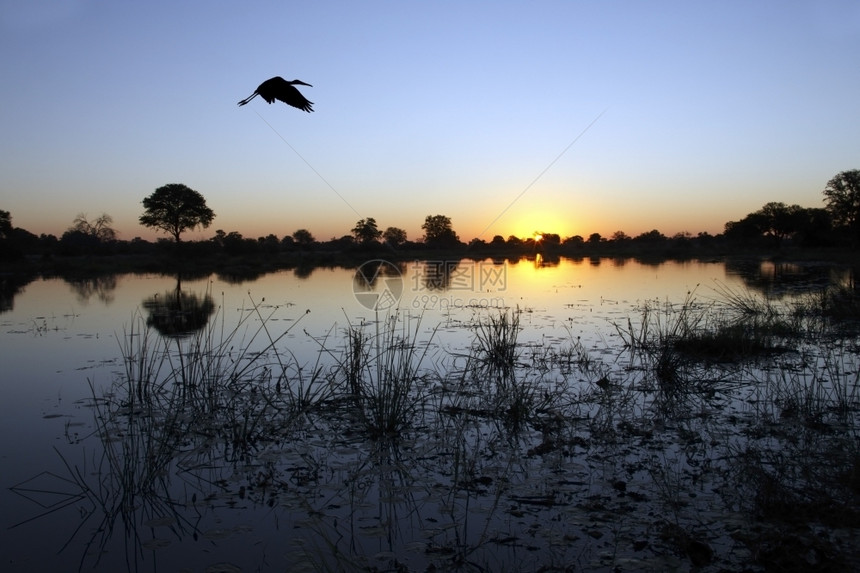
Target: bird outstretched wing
{"points": [[278, 88]]}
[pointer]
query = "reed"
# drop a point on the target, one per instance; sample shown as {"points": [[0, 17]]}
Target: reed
{"points": [[744, 303], [382, 371], [496, 339], [509, 431]]}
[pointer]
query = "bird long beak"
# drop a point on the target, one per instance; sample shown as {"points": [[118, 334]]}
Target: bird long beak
{"points": [[300, 82]]}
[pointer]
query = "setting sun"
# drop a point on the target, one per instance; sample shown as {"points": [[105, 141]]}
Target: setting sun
{"points": [[535, 224]]}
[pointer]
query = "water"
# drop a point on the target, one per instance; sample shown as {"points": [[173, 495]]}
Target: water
{"points": [[319, 496]]}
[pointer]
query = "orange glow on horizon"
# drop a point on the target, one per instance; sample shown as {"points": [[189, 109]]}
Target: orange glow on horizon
{"points": [[534, 224]]}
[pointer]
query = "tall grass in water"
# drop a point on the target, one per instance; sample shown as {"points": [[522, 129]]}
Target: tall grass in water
{"points": [[834, 306], [229, 376], [217, 362], [653, 344], [381, 371], [496, 339], [208, 393], [675, 345], [515, 393], [820, 389], [212, 381]]}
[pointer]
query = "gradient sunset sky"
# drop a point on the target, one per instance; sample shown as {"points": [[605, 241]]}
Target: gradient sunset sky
{"points": [[466, 109]]}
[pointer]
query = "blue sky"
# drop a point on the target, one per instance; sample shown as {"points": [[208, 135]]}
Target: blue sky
{"points": [[710, 110]]}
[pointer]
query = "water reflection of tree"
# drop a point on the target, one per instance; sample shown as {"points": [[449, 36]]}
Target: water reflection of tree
{"points": [[779, 279], [10, 285], [238, 276], [101, 286], [177, 312], [437, 274], [543, 260], [368, 274]]}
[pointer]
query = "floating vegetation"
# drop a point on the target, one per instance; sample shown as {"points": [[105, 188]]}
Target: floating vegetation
{"points": [[717, 434]]}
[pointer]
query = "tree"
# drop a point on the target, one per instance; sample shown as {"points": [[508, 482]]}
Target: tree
{"points": [[774, 222], [175, 208], [549, 239], [780, 220], [438, 231], [366, 232], [652, 236], [574, 241], [747, 229], [5, 224], [842, 196], [270, 243], [100, 229], [394, 236], [814, 227], [303, 238]]}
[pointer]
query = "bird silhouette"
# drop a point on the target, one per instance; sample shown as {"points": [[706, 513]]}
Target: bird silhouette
{"points": [[278, 88]]}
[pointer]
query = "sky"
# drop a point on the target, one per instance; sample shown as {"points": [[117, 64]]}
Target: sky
{"points": [[507, 117]]}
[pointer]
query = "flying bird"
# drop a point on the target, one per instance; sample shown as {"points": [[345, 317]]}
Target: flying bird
{"points": [[278, 88]]}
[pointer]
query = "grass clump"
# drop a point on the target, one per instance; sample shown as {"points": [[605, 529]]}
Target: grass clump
{"points": [[381, 372], [496, 339]]}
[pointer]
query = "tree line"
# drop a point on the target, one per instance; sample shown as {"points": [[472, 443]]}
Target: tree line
{"points": [[175, 209]]}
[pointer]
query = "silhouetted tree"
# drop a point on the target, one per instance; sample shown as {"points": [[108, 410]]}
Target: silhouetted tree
{"points": [[366, 231], [341, 243], [77, 242], [5, 224], [269, 243], [550, 239], [619, 237], [574, 241], [779, 220], [776, 222], [652, 236], [8, 249], [99, 229], [594, 238], [219, 237], [235, 243], [814, 227], [303, 238], [842, 195], [438, 231], [750, 228], [394, 236], [175, 208]]}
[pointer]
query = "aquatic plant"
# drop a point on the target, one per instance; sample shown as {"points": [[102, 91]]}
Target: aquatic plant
{"points": [[496, 339], [691, 445], [382, 370]]}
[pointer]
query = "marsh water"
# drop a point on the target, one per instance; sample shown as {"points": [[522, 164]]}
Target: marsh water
{"points": [[262, 456]]}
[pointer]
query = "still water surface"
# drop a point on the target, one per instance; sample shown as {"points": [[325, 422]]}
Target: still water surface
{"points": [[59, 344]]}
